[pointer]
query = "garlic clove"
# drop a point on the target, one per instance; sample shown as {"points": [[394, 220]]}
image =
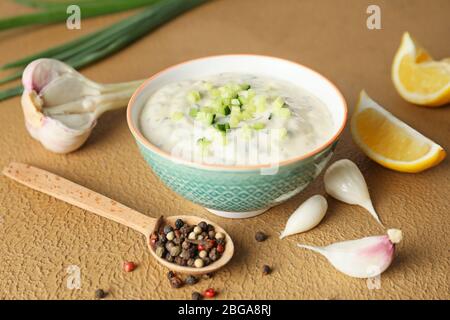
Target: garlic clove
{"points": [[307, 216], [66, 88], [54, 135], [362, 258], [61, 106], [345, 182]]}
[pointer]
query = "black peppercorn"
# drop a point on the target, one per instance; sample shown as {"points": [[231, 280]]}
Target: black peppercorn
{"points": [[206, 261], [180, 261], [176, 282], [197, 296], [179, 223], [210, 227], [203, 225], [260, 236], [191, 280], [186, 245], [266, 270], [100, 294], [170, 274], [167, 229]]}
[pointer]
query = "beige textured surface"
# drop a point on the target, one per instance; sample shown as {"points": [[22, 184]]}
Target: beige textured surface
{"points": [[40, 236]]}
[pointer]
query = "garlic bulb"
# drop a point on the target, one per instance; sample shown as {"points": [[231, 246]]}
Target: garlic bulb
{"points": [[345, 182], [363, 258], [307, 216], [61, 107]]}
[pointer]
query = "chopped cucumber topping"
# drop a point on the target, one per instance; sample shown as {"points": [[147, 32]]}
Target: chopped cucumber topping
{"points": [[247, 114], [214, 92], [235, 102], [234, 121], [207, 109], [176, 116], [235, 110], [203, 143], [260, 103], [193, 112], [194, 96], [278, 103], [208, 85], [205, 118], [283, 112], [258, 126], [223, 126], [227, 110]]}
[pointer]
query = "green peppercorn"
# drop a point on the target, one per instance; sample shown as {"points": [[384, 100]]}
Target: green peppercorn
{"points": [[185, 254], [169, 245], [169, 257], [160, 251], [175, 251]]}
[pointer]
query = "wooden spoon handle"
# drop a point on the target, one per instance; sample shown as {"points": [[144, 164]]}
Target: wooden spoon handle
{"points": [[79, 196]]}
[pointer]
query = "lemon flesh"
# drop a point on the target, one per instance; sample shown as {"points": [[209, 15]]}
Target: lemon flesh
{"points": [[389, 141], [418, 78]]}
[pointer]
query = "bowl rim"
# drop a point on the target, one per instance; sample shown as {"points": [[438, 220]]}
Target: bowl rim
{"points": [[141, 139]]}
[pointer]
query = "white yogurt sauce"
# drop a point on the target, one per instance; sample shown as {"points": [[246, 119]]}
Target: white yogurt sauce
{"points": [[167, 122]]}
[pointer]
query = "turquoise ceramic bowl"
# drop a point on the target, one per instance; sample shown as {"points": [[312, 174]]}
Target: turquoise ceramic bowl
{"points": [[239, 191]]}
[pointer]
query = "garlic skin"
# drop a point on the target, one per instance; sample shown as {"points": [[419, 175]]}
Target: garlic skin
{"points": [[61, 107], [362, 258], [345, 182], [307, 216]]}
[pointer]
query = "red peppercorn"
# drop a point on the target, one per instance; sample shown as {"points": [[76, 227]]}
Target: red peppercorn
{"points": [[129, 266], [220, 248], [210, 293], [200, 247]]}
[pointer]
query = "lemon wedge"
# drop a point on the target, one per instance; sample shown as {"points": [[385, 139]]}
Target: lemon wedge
{"points": [[418, 78], [391, 142]]}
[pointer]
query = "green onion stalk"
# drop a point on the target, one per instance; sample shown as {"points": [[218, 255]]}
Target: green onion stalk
{"points": [[107, 41]]}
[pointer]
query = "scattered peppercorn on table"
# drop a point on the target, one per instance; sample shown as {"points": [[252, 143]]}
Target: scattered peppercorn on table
{"points": [[51, 250]]}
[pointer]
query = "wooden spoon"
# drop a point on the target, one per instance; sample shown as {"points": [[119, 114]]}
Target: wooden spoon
{"points": [[89, 200]]}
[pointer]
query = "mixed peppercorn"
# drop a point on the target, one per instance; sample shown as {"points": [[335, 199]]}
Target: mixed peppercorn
{"points": [[188, 245]]}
